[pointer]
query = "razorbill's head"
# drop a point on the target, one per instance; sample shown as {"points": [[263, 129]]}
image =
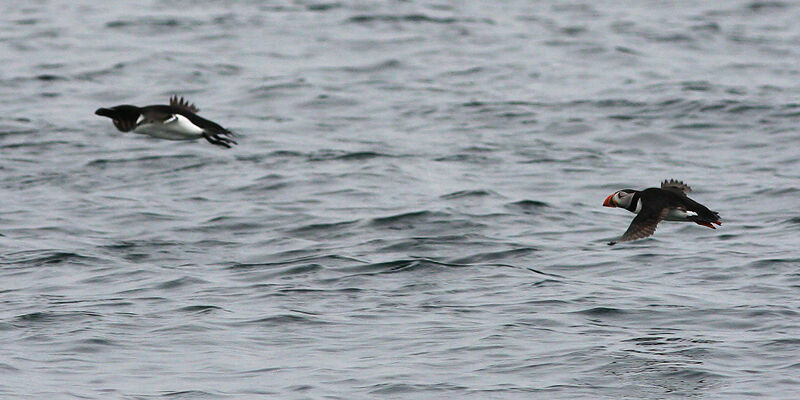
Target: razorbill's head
{"points": [[125, 117]]}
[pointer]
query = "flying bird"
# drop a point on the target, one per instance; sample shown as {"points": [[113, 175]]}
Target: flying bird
{"points": [[176, 121], [653, 205]]}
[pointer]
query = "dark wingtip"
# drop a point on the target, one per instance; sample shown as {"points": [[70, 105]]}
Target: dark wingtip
{"points": [[218, 140]]}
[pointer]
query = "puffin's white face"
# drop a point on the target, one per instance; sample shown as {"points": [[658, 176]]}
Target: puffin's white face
{"points": [[622, 199]]}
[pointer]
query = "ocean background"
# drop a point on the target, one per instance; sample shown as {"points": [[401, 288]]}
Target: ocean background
{"points": [[414, 209]]}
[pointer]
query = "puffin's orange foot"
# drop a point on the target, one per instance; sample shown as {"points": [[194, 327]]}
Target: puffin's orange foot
{"points": [[708, 224]]}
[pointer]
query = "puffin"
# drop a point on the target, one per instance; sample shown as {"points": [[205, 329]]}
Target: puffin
{"points": [[653, 205], [176, 121]]}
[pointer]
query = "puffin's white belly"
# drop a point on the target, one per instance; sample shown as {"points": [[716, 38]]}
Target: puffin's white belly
{"points": [[679, 215]]}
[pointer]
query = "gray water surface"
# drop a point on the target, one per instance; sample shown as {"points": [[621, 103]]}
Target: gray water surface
{"points": [[415, 207]]}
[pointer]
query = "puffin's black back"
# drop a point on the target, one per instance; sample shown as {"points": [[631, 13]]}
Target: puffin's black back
{"points": [[657, 199]]}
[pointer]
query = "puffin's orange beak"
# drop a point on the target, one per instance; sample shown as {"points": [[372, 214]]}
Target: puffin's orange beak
{"points": [[608, 202]]}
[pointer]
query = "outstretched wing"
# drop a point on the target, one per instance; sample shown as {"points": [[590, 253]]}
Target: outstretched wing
{"points": [[180, 102], [157, 116], [642, 226], [676, 186]]}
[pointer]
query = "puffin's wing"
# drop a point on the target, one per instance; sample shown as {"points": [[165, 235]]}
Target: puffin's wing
{"points": [[676, 186], [180, 102], [643, 225]]}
